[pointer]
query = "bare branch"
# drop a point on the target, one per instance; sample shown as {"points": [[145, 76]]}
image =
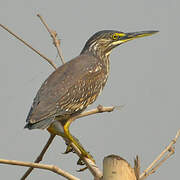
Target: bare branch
{"points": [[99, 109], [40, 157], [56, 41], [156, 164], [28, 45], [52, 168], [153, 170]]}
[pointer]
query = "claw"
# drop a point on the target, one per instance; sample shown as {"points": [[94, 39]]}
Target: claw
{"points": [[80, 162], [82, 169], [70, 138], [68, 149]]}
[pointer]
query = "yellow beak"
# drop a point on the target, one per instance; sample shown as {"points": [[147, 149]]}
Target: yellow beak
{"points": [[124, 37], [135, 35]]}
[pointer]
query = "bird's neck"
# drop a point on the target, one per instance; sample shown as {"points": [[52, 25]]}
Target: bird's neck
{"points": [[99, 53], [103, 57]]}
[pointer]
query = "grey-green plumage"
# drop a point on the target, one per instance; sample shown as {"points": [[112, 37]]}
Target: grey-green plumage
{"points": [[68, 90], [75, 85]]}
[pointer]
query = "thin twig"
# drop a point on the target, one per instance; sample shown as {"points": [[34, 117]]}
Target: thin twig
{"points": [[154, 165], [47, 59], [99, 109], [153, 170], [40, 157], [52, 168], [56, 41]]}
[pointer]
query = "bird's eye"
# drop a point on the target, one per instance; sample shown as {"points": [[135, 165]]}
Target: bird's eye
{"points": [[115, 36]]}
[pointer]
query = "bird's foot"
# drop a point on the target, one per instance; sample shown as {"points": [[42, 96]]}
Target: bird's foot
{"points": [[84, 153], [73, 140], [80, 161]]}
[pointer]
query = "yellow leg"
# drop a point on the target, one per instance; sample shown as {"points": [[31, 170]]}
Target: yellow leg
{"points": [[76, 141], [63, 131]]}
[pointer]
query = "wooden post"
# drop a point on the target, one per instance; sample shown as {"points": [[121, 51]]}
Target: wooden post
{"points": [[117, 168]]}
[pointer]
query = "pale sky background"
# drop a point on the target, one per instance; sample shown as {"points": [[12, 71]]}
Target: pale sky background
{"points": [[144, 76]]}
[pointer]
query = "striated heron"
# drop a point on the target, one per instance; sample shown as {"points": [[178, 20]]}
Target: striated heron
{"points": [[75, 85]]}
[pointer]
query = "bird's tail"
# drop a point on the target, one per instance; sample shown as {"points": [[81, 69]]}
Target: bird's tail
{"points": [[43, 124]]}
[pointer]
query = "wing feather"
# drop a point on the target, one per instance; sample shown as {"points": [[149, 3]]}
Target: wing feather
{"points": [[71, 88]]}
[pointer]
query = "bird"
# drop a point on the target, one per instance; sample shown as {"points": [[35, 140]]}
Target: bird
{"points": [[73, 86]]}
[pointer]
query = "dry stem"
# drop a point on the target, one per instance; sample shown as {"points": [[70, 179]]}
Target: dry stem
{"points": [[157, 163], [99, 109], [56, 41], [28, 45], [40, 157], [52, 168]]}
